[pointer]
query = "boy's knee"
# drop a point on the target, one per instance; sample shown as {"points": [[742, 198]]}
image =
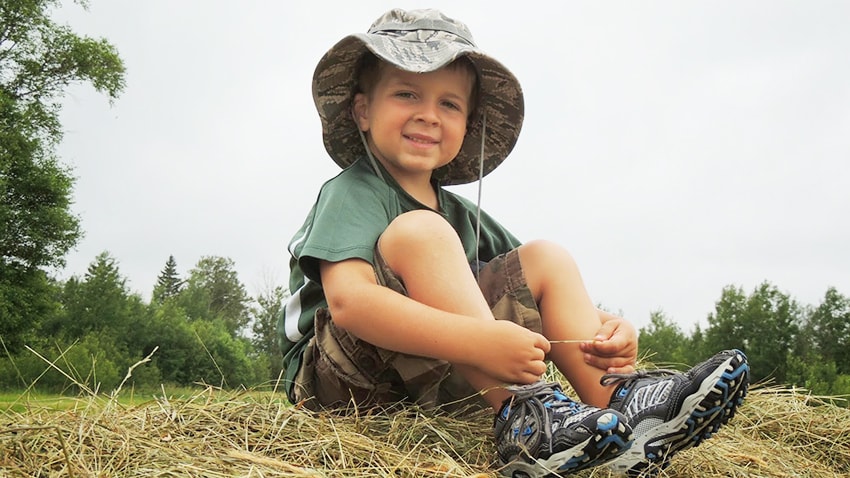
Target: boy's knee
{"points": [[415, 232], [418, 226], [544, 253], [544, 248]]}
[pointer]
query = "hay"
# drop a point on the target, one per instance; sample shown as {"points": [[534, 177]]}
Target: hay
{"points": [[776, 433]]}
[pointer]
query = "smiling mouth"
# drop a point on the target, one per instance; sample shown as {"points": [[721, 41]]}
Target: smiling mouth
{"points": [[421, 140]]}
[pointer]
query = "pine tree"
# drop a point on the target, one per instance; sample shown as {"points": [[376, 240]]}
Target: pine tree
{"points": [[168, 284]]}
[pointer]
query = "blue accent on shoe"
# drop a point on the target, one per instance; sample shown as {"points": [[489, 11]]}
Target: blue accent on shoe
{"points": [[574, 462], [737, 372], [607, 426], [615, 440]]}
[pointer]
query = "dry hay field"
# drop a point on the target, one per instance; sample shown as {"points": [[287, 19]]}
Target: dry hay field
{"points": [[778, 432]]}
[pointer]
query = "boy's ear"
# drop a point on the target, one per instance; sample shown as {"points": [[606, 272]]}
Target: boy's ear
{"points": [[359, 109]]}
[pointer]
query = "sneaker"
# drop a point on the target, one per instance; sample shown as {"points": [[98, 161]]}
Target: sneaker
{"points": [[541, 432], [671, 411]]}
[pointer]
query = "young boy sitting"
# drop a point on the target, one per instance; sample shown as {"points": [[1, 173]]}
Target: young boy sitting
{"points": [[405, 292]]}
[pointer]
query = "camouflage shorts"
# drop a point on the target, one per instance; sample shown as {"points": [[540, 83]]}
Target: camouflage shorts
{"points": [[339, 369]]}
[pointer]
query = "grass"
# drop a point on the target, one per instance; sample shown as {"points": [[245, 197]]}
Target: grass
{"points": [[778, 432], [208, 432], [22, 400]]}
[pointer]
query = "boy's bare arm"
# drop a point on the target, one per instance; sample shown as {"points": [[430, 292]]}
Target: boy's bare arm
{"points": [[390, 320]]}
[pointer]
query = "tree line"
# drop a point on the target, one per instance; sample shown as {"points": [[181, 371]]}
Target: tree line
{"points": [[203, 328], [786, 342]]}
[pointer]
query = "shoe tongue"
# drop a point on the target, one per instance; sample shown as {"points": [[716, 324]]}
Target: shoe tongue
{"points": [[620, 392]]}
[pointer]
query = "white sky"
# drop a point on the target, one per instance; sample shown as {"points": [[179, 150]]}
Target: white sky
{"points": [[675, 147]]}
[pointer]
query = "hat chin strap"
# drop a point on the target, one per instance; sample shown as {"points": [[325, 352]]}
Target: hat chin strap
{"points": [[480, 189], [372, 160]]}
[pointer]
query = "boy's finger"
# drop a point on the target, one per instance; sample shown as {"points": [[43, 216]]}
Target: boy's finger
{"points": [[601, 347], [606, 331], [624, 369]]}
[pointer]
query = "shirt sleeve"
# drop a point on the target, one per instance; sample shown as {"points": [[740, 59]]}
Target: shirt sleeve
{"points": [[350, 214]]}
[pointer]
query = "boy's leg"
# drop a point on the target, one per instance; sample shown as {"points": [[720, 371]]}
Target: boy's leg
{"points": [[539, 430], [426, 253], [567, 313], [669, 411], [420, 256]]}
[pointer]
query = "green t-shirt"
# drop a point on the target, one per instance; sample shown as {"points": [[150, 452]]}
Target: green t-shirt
{"points": [[352, 211]]}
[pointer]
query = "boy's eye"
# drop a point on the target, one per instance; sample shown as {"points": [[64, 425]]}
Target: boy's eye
{"points": [[404, 94], [451, 105]]}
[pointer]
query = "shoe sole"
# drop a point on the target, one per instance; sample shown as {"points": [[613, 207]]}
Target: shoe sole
{"points": [[614, 437], [712, 406]]}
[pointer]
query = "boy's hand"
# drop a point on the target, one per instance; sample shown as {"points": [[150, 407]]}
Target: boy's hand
{"points": [[509, 352], [614, 347]]}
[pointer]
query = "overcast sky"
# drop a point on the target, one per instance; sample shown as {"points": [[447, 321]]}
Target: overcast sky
{"points": [[674, 147]]}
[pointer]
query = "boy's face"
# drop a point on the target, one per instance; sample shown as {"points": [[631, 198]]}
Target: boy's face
{"points": [[415, 122]]}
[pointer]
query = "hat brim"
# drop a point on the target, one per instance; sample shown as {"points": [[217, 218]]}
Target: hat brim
{"points": [[500, 100]]}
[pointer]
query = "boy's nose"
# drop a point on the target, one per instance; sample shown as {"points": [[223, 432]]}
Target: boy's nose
{"points": [[428, 113]]}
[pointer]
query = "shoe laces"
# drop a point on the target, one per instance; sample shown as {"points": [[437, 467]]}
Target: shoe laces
{"points": [[553, 400], [550, 394], [613, 378]]}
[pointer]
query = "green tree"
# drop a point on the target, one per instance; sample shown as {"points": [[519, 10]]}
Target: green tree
{"points": [[226, 360], [101, 305], [726, 325], [168, 284], [829, 328], [774, 322], [167, 329], [663, 339], [765, 325], [265, 316], [36, 225], [91, 362], [27, 297], [38, 61], [195, 351], [696, 350], [98, 303], [213, 292]]}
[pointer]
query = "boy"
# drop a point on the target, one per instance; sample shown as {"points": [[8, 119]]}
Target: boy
{"points": [[396, 283]]}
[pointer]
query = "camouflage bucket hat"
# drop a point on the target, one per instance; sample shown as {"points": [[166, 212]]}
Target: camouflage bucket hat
{"points": [[420, 41]]}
